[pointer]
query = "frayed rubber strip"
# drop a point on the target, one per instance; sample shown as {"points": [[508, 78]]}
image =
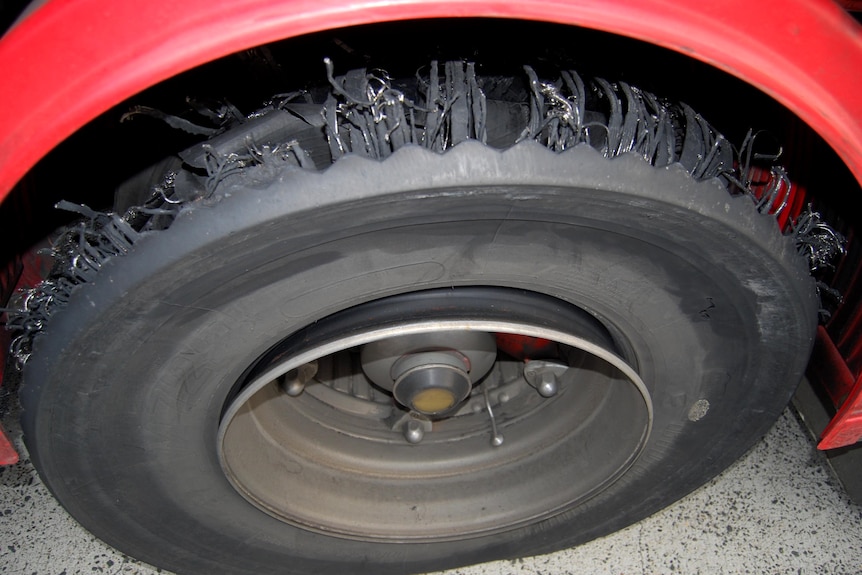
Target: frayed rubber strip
{"points": [[365, 114]]}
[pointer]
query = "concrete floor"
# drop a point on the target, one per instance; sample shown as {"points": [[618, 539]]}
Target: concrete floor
{"points": [[778, 510]]}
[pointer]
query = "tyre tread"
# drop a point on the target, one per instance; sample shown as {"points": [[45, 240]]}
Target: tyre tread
{"points": [[367, 114]]}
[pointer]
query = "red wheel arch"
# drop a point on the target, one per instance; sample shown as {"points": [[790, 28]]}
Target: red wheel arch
{"points": [[69, 61]]}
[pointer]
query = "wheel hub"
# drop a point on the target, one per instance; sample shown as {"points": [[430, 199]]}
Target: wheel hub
{"points": [[430, 373], [432, 388]]}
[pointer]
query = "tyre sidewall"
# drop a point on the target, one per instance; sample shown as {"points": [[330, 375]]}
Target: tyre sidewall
{"points": [[125, 392]]}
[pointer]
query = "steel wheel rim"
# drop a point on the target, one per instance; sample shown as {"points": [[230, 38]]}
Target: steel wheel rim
{"points": [[308, 461]]}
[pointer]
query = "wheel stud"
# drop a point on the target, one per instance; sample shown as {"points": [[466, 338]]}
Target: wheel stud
{"points": [[548, 386], [294, 381], [413, 431], [545, 376]]}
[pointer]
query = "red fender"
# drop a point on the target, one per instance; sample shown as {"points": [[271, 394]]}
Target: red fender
{"points": [[69, 61]]}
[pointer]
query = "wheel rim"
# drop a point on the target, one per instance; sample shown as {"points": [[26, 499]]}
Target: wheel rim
{"points": [[310, 439]]}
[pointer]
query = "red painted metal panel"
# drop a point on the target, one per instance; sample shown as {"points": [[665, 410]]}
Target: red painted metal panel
{"points": [[833, 375], [69, 61], [836, 365], [8, 454], [788, 192], [846, 427], [525, 348]]}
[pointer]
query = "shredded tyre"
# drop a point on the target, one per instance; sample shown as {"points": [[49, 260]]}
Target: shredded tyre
{"points": [[202, 381]]}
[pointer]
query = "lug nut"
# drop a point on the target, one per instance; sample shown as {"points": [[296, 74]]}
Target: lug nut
{"points": [[545, 376], [414, 432], [548, 385]]}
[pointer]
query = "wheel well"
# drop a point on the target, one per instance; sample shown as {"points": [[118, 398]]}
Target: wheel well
{"points": [[89, 165]]}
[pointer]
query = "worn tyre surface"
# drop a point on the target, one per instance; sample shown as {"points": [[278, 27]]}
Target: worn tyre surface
{"points": [[693, 288]]}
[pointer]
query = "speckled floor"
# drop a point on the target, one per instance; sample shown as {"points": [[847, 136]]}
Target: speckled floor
{"points": [[778, 510]]}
